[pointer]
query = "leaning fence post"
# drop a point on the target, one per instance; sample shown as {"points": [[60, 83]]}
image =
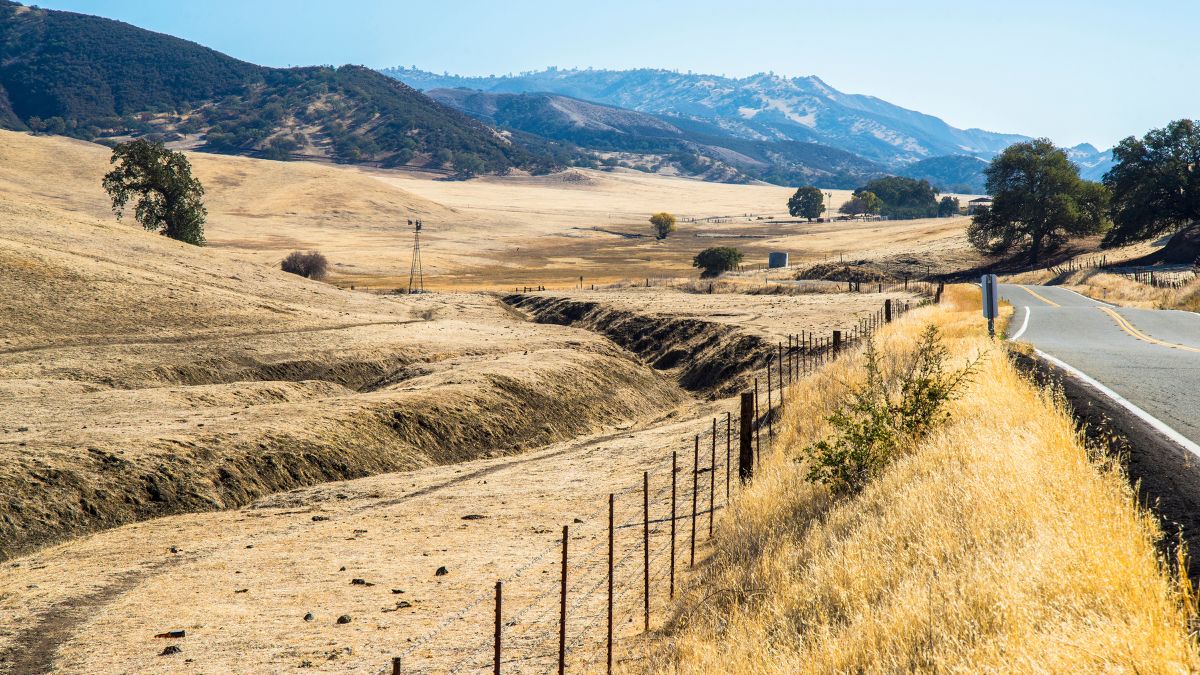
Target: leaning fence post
{"points": [[499, 626], [695, 490], [611, 509], [746, 448], [562, 608]]}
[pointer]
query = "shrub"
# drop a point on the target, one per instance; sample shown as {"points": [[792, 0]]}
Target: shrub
{"points": [[716, 260], [893, 408], [312, 265]]}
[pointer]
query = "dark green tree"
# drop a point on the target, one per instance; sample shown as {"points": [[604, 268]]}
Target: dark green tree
{"points": [[1155, 183], [1038, 202], [863, 201], [808, 202], [949, 206], [168, 197], [716, 260], [903, 197]]}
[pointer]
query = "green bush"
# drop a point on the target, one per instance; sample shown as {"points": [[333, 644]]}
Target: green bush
{"points": [[896, 406]]}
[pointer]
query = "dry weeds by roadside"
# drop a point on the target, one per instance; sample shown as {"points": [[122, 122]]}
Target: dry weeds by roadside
{"points": [[995, 545]]}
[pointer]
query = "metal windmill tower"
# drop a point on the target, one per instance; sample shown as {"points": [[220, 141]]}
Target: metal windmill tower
{"points": [[416, 275]]}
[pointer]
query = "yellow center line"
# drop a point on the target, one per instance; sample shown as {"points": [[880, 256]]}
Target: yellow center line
{"points": [[1048, 302], [1128, 327]]}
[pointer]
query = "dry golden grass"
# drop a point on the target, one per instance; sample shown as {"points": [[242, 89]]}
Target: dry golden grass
{"points": [[489, 233], [996, 546], [1118, 289]]}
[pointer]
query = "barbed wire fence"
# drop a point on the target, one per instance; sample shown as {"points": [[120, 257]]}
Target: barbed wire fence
{"points": [[571, 605]]}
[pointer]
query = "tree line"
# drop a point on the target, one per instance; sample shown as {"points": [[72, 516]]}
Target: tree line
{"points": [[1039, 200], [894, 197]]}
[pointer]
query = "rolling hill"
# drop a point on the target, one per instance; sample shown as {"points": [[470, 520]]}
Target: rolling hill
{"points": [[763, 107], [94, 79]]}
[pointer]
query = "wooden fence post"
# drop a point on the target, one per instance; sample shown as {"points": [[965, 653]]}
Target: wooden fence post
{"points": [[887, 311], [397, 663], [746, 448], [837, 341], [562, 608], [499, 626]]}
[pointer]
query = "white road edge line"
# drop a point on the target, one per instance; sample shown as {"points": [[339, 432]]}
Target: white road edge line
{"points": [[1146, 417], [1024, 324]]}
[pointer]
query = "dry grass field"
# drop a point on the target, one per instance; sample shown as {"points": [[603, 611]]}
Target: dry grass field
{"points": [[148, 389], [997, 545], [487, 233]]}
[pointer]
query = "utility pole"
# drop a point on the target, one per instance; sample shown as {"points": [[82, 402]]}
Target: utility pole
{"points": [[416, 275]]}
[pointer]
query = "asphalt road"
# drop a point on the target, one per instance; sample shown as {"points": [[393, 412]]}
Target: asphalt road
{"points": [[1150, 358]]}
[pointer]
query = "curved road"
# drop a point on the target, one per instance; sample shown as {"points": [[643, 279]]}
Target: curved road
{"points": [[1150, 358]]}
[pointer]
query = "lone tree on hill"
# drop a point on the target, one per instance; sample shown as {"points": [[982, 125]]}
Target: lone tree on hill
{"points": [[664, 224], [1038, 201], [1155, 183], [948, 207], [716, 260], [808, 202], [863, 201], [168, 197]]}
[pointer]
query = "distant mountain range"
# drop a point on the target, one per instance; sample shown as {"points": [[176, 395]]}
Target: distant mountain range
{"points": [[106, 81], [766, 108], [97, 79]]}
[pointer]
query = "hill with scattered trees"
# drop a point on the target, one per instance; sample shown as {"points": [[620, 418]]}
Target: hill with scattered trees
{"points": [[94, 79]]}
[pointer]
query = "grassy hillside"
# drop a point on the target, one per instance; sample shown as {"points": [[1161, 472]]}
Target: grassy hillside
{"points": [[997, 545], [93, 78]]}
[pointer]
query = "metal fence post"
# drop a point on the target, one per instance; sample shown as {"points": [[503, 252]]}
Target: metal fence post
{"points": [[611, 510], [499, 626], [562, 608]]}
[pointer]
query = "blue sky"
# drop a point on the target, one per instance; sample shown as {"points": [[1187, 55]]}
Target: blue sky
{"points": [[1072, 70]]}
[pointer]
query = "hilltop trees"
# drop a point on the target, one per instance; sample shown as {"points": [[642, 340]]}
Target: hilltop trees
{"points": [[716, 260], [168, 197], [1038, 201], [808, 202], [663, 223], [1155, 183], [864, 201], [903, 197]]}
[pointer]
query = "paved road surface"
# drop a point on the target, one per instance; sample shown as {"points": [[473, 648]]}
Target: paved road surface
{"points": [[1149, 357]]}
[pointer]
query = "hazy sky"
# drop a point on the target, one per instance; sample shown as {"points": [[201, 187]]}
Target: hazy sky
{"points": [[1072, 70]]}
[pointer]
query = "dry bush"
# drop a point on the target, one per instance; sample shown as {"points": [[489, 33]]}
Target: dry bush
{"points": [[996, 545], [312, 265]]}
